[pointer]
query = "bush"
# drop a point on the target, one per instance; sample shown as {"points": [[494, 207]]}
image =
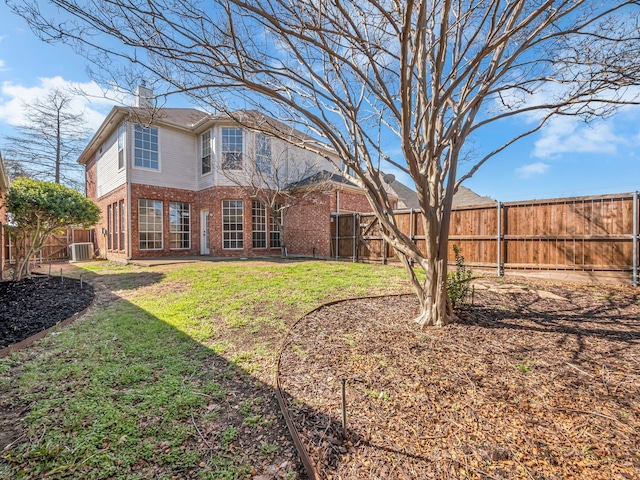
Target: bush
{"points": [[459, 282]]}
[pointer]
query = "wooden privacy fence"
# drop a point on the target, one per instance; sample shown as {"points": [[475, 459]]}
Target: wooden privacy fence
{"points": [[56, 248], [587, 234]]}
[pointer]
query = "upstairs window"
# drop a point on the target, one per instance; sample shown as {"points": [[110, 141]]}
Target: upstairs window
{"points": [[206, 152], [263, 153], [231, 148], [146, 147], [121, 133]]}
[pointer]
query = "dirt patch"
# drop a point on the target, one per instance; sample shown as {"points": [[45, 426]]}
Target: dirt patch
{"points": [[29, 306], [526, 385]]}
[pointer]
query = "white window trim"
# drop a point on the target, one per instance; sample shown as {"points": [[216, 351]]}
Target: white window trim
{"points": [[145, 169], [263, 209], [257, 137], [161, 227], [211, 152], [180, 248], [123, 125], [244, 148], [243, 224]]}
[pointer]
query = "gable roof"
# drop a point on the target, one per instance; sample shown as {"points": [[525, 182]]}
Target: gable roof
{"points": [[463, 197]]}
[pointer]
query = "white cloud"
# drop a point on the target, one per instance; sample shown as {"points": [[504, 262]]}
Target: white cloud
{"points": [[95, 104], [570, 135], [2, 63], [532, 169]]}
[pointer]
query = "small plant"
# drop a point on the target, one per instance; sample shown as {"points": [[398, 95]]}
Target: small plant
{"points": [[459, 282], [268, 449], [525, 366], [228, 435]]}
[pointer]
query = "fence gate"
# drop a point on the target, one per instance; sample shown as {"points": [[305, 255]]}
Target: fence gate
{"points": [[344, 235]]}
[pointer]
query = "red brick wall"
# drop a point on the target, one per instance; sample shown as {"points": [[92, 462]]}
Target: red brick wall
{"points": [[307, 226], [103, 202], [211, 199], [165, 195], [350, 201]]}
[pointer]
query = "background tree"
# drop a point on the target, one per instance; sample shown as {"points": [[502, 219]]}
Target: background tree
{"points": [[431, 73], [36, 210], [47, 147]]}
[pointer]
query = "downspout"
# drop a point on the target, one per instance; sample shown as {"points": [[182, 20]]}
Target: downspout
{"points": [[127, 180]]}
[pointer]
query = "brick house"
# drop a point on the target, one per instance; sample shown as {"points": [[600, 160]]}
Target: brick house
{"points": [[159, 177]]}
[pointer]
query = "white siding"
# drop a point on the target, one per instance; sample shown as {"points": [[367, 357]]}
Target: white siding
{"points": [[282, 154], [108, 177], [179, 157]]}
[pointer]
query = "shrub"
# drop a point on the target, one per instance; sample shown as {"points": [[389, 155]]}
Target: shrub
{"points": [[459, 282]]}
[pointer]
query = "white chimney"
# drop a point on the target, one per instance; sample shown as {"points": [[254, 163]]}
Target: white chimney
{"points": [[144, 97]]}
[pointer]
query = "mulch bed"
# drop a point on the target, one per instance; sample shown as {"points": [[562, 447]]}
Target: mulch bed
{"points": [[537, 381], [29, 306]]}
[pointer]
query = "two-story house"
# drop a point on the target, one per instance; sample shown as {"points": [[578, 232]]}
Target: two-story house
{"points": [[169, 183]]}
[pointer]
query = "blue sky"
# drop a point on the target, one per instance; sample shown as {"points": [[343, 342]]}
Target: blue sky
{"points": [[566, 159]]}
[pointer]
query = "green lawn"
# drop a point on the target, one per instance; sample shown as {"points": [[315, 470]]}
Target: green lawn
{"points": [[171, 374]]}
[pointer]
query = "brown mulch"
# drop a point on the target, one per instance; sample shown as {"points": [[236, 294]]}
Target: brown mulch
{"points": [[536, 381]]}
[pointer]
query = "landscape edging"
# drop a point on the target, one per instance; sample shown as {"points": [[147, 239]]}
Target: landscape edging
{"points": [[312, 472], [34, 338]]}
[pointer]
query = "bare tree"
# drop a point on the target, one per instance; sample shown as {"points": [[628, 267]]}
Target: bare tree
{"points": [[432, 73], [48, 145], [274, 171]]}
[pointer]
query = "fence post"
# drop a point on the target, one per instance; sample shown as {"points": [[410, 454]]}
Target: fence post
{"points": [[499, 238], [354, 238], [411, 224], [635, 238], [384, 251]]}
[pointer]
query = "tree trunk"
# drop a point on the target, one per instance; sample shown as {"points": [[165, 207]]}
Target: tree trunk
{"points": [[435, 306]]}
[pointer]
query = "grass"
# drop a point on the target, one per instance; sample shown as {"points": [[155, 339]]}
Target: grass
{"points": [[173, 377]]}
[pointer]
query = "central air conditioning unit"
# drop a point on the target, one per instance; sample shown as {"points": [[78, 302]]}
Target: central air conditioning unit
{"points": [[81, 251]]}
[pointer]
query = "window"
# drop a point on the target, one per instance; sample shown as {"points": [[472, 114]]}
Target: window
{"points": [[179, 225], [121, 134], [259, 223], [232, 224], [146, 147], [263, 153], [150, 224], [116, 233], [206, 152], [122, 224], [232, 149], [109, 227], [274, 228]]}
